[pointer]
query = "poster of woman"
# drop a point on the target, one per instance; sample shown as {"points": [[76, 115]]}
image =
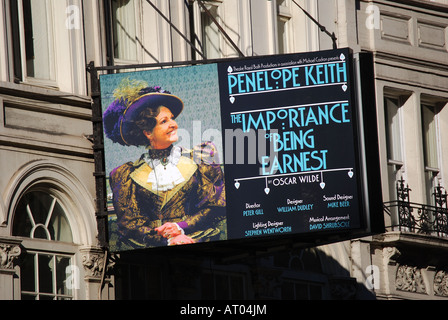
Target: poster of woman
{"points": [[237, 150], [165, 179]]}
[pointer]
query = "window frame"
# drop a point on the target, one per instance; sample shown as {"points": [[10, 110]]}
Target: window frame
{"points": [[432, 174], [54, 248], [217, 6], [55, 199], [435, 118], [19, 63], [396, 168], [284, 16], [38, 292], [391, 156], [138, 34]]}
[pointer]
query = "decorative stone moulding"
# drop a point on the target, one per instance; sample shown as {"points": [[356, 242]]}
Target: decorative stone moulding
{"points": [[9, 252]]}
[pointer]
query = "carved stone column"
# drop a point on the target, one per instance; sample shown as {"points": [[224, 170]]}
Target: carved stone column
{"points": [[9, 254], [94, 261], [389, 269]]}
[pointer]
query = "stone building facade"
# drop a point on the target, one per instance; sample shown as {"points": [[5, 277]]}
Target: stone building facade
{"points": [[409, 43], [50, 247]]}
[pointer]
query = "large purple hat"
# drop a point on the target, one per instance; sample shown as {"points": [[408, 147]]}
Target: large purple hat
{"points": [[119, 118]]}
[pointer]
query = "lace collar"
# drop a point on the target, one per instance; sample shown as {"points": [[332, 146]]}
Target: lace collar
{"points": [[165, 156], [164, 175]]}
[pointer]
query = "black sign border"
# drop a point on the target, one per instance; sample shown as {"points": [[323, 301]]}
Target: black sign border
{"points": [[371, 205]]}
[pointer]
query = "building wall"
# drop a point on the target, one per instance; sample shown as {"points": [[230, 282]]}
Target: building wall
{"points": [[46, 144], [45, 127], [409, 41]]}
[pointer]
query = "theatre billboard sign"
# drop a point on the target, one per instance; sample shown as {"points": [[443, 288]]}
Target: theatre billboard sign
{"points": [[256, 148]]}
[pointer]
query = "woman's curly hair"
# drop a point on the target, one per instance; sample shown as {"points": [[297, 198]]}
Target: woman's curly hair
{"points": [[146, 121]]}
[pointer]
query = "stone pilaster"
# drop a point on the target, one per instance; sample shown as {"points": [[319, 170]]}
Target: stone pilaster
{"points": [[94, 265]]}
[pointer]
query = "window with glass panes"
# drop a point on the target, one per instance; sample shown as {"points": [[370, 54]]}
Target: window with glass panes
{"points": [[44, 274], [124, 24], [33, 39], [394, 141], [211, 39], [430, 148], [283, 25]]}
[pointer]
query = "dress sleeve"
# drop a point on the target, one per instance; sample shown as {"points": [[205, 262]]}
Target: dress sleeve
{"points": [[211, 198]]}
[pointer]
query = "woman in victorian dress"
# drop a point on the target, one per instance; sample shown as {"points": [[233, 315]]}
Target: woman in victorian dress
{"points": [[171, 195]]}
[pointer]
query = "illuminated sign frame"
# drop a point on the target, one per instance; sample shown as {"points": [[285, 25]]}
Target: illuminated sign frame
{"points": [[298, 158]]}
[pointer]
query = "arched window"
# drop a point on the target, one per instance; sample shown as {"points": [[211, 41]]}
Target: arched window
{"points": [[47, 272], [52, 213], [39, 215]]}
